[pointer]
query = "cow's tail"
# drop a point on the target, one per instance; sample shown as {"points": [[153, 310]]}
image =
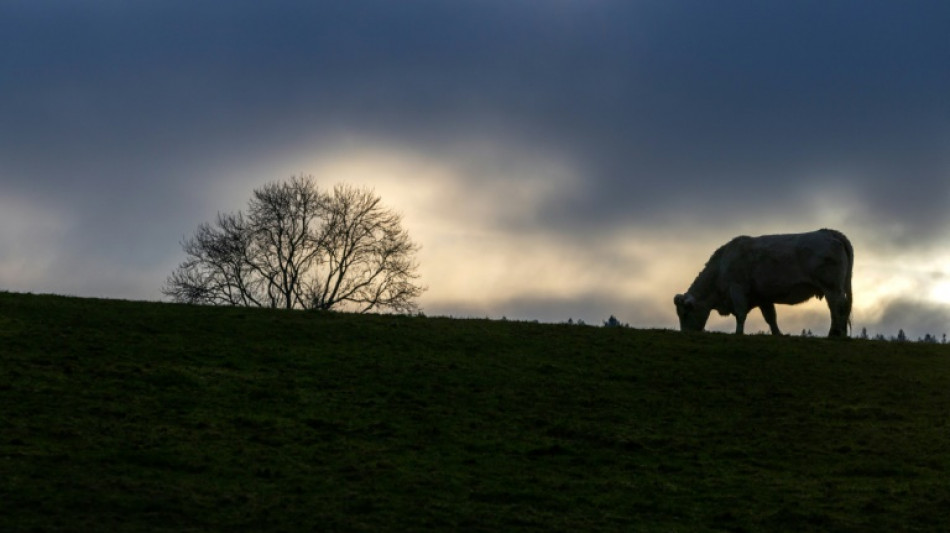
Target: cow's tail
{"points": [[849, 250], [847, 288]]}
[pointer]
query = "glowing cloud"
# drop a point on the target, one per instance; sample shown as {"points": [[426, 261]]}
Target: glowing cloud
{"points": [[940, 292]]}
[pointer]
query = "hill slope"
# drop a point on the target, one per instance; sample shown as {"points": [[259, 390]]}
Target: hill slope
{"points": [[143, 416]]}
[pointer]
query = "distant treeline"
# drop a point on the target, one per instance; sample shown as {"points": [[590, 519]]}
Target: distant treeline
{"points": [[900, 337]]}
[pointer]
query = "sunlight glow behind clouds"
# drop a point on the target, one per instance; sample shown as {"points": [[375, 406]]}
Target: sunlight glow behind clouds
{"points": [[940, 292], [473, 211]]}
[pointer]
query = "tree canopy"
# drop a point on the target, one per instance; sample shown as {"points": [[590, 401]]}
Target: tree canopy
{"points": [[298, 247]]}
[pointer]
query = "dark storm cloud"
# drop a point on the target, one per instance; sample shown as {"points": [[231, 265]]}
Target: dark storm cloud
{"points": [[917, 319], [680, 113], [754, 104]]}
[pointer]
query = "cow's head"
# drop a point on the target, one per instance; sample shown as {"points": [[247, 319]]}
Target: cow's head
{"points": [[692, 314]]}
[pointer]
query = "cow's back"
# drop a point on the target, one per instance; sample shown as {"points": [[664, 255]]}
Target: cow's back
{"points": [[791, 268]]}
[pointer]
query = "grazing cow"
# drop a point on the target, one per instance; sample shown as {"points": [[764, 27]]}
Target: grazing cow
{"points": [[750, 272]]}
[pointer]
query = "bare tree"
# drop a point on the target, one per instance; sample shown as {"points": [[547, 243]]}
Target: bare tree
{"points": [[300, 248]]}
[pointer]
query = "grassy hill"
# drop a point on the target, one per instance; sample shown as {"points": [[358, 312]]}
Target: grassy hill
{"points": [[128, 416]]}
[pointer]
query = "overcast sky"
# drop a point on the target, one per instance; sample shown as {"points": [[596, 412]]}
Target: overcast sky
{"points": [[555, 159]]}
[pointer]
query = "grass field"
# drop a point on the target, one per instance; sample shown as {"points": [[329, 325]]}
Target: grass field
{"points": [[130, 416]]}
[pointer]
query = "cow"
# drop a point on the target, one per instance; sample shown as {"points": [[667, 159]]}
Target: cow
{"points": [[749, 272]]}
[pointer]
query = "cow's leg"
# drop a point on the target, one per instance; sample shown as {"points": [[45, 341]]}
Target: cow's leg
{"points": [[768, 312], [740, 308], [740, 323], [840, 309]]}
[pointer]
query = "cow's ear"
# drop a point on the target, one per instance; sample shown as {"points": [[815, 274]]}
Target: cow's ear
{"points": [[684, 302]]}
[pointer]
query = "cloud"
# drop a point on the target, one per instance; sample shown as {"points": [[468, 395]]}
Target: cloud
{"points": [[916, 317], [651, 104], [30, 238]]}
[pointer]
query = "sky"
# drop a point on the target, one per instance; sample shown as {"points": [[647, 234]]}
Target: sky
{"points": [[555, 159]]}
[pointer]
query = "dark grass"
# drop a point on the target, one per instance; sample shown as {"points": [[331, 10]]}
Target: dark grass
{"points": [[127, 416]]}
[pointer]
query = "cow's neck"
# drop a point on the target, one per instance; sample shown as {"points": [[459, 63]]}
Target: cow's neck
{"points": [[703, 288]]}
